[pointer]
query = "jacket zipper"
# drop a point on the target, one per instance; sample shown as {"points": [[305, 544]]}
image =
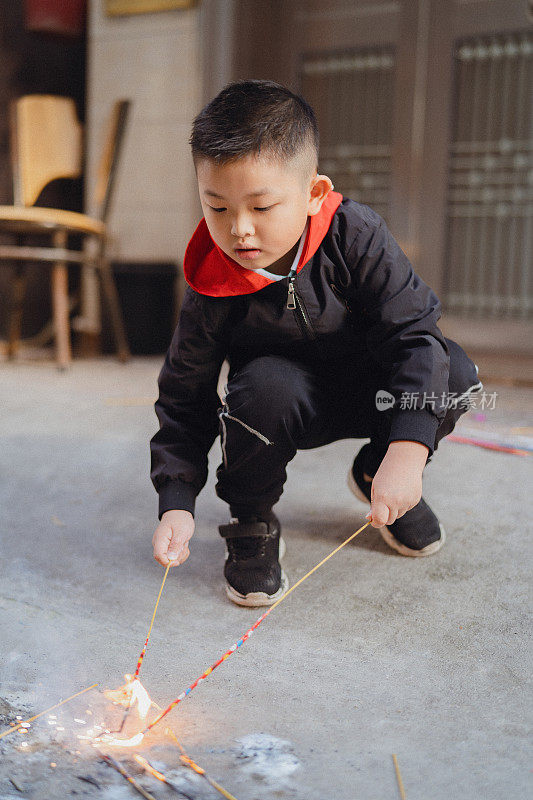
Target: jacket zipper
{"points": [[295, 303]]}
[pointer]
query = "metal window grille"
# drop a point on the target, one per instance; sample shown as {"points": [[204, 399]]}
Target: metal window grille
{"points": [[352, 95], [490, 188]]}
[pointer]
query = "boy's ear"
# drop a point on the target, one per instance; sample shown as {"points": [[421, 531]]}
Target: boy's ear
{"points": [[321, 186]]}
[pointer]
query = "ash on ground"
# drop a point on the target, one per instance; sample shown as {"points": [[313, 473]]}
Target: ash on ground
{"points": [[268, 759]]}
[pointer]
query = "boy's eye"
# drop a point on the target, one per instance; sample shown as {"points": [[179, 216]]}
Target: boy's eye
{"points": [[219, 210]]}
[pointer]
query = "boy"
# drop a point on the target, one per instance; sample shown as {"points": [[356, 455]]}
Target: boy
{"points": [[327, 331]]}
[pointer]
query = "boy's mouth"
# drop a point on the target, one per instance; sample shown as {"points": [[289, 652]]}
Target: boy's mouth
{"points": [[247, 252]]}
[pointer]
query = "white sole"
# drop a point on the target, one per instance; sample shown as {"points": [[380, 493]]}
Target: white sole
{"points": [[255, 599], [389, 538]]}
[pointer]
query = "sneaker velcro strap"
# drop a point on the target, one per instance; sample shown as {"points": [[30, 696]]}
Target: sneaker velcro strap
{"points": [[240, 529]]}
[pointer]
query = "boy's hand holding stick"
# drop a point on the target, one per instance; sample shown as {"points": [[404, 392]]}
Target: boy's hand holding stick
{"points": [[397, 485], [172, 536]]}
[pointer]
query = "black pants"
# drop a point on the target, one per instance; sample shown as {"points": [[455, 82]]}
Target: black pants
{"points": [[274, 407]]}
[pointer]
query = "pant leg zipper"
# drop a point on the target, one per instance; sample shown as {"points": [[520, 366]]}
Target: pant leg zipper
{"points": [[295, 303]]}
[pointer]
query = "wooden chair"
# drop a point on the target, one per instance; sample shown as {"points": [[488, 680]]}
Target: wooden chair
{"points": [[46, 143]]}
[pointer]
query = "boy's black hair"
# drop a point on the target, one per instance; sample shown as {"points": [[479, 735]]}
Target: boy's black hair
{"points": [[249, 117]]}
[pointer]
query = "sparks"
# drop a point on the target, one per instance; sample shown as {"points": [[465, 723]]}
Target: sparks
{"points": [[42, 713], [130, 693], [113, 742]]}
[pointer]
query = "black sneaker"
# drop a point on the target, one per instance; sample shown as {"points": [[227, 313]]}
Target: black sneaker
{"points": [[417, 533], [252, 570]]}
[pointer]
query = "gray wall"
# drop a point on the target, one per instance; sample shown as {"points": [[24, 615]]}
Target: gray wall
{"points": [[156, 61]]}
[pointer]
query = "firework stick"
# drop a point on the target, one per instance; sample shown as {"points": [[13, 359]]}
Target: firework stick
{"points": [[500, 448], [398, 777], [249, 632], [190, 763], [62, 703], [145, 764], [112, 763], [185, 759], [143, 651]]}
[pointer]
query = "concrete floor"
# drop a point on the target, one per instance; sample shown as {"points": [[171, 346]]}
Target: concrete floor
{"points": [[375, 654]]}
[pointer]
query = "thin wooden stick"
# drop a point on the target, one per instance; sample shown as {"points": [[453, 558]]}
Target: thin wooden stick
{"points": [[112, 763], [199, 770], [398, 777], [143, 651], [185, 759], [145, 764], [62, 703]]}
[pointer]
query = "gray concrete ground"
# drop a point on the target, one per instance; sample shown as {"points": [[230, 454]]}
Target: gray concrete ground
{"points": [[375, 654]]}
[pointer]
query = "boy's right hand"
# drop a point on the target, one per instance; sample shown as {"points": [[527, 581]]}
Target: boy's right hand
{"points": [[171, 537]]}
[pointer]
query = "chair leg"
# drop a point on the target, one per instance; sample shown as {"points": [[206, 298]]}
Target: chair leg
{"points": [[18, 291], [111, 295], [60, 304]]}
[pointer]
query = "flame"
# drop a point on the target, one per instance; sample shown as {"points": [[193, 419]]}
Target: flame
{"points": [[130, 693], [148, 767], [113, 742]]}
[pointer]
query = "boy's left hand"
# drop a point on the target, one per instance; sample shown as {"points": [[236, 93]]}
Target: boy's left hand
{"points": [[397, 485]]}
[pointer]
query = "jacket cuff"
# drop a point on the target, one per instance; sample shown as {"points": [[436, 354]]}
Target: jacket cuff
{"points": [[414, 425], [176, 496]]}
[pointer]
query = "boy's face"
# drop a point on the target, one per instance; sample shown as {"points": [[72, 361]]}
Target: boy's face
{"points": [[256, 208]]}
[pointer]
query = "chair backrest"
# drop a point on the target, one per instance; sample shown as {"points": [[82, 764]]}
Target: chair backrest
{"points": [[46, 143], [107, 167]]}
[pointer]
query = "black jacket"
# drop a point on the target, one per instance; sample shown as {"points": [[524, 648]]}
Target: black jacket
{"points": [[358, 303]]}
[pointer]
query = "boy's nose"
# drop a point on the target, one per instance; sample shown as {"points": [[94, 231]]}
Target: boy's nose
{"points": [[242, 226]]}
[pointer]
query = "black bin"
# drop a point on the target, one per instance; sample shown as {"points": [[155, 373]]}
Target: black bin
{"points": [[148, 295]]}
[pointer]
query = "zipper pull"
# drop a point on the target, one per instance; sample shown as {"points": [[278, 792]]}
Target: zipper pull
{"points": [[291, 300]]}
